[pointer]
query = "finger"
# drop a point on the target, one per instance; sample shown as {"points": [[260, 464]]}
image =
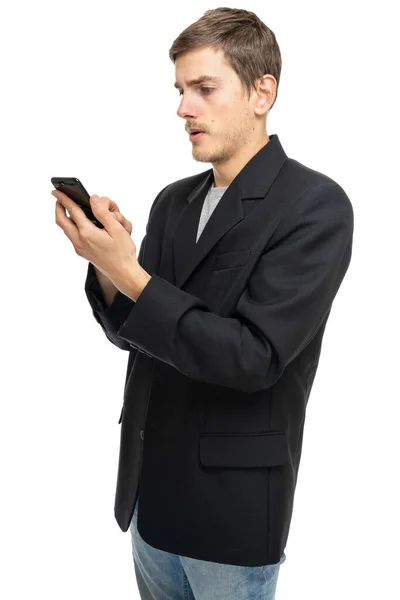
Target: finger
{"points": [[124, 221], [121, 219], [111, 205], [60, 195], [128, 225], [66, 224], [77, 214], [118, 217], [101, 212]]}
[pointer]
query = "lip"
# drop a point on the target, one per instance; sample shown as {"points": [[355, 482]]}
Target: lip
{"points": [[196, 136]]}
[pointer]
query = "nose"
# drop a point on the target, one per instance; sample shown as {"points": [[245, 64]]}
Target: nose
{"points": [[186, 109]]}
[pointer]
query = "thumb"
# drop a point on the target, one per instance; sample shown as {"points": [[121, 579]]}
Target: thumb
{"points": [[102, 214], [94, 200]]}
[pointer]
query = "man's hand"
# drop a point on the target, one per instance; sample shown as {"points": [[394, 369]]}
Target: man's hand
{"points": [[113, 208], [111, 249]]}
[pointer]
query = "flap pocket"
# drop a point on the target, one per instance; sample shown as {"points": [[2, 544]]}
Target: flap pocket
{"points": [[267, 449], [227, 260]]}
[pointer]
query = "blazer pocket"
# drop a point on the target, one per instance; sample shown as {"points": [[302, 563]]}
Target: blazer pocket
{"points": [[268, 449], [228, 260]]}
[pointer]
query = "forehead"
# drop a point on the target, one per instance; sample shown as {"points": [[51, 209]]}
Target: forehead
{"points": [[202, 64]]}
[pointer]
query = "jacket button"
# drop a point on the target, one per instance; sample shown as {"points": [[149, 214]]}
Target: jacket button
{"points": [[142, 434]]}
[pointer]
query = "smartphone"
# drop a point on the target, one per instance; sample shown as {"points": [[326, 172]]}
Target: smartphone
{"points": [[73, 188]]}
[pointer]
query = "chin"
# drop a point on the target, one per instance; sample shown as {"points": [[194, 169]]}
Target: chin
{"points": [[201, 157]]}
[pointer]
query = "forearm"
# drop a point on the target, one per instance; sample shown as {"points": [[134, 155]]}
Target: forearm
{"points": [[108, 288]]}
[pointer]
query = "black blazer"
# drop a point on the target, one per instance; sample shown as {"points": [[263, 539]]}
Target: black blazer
{"points": [[224, 343]]}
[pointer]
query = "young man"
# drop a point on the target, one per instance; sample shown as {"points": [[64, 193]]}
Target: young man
{"points": [[223, 316]]}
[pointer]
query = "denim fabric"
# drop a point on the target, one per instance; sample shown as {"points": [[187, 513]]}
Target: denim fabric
{"points": [[164, 576]]}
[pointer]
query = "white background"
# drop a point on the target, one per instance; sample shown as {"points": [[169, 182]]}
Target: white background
{"points": [[87, 91]]}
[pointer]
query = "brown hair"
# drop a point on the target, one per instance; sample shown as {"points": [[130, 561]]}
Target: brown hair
{"points": [[249, 45]]}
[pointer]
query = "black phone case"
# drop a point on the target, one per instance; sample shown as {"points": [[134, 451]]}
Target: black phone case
{"points": [[73, 188]]}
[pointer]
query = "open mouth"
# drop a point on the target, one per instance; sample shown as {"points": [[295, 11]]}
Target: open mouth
{"points": [[196, 135]]}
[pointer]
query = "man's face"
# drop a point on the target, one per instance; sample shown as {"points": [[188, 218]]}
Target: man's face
{"points": [[219, 108]]}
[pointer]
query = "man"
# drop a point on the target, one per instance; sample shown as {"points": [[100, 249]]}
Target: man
{"points": [[223, 315]]}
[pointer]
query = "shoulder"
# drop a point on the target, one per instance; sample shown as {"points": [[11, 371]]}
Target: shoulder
{"points": [[318, 206], [301, 178], [311, 189]]}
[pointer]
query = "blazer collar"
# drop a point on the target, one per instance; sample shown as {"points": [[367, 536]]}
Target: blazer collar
{"points": [[251, 183], [253, 180]]}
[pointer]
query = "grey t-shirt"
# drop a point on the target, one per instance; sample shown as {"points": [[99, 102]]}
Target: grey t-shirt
{"points": [[214, 195]]}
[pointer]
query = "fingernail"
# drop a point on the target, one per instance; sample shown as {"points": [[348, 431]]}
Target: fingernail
{"points": [[95, 199]]}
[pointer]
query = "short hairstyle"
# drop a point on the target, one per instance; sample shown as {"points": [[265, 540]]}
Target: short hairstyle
{"points": [[248, 44]]}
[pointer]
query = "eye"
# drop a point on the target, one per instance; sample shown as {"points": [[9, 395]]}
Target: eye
{"points": [[202, 89]]}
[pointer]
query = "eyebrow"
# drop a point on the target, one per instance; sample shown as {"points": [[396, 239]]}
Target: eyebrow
{"points": [[200, 80]]}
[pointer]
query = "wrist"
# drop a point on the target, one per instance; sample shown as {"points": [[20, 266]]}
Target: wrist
{"points": [[132, 281], [140, 281]]}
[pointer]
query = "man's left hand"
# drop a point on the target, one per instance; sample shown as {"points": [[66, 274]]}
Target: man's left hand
{"points": [[111, 249]]}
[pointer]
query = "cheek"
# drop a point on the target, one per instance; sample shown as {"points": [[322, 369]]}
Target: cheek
{"points": [[229, 117]]}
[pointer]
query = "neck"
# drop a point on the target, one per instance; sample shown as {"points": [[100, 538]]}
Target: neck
{"points": [[225, 173]]}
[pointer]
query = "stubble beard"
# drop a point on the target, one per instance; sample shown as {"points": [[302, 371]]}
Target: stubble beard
{"points": [[232, 143]]}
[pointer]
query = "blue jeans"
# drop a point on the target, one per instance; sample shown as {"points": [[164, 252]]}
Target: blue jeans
{"points": [[164, 576]]}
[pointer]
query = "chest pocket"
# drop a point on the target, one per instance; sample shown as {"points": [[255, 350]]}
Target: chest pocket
{"points": [[230, 260]]}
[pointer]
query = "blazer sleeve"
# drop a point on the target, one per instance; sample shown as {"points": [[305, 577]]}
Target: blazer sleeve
{"points": [[111, 317], [288, 295]]}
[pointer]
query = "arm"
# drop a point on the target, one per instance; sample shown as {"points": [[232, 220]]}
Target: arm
{"points": [[288, 296], [108, 288], [111, 308], [108, 316]]}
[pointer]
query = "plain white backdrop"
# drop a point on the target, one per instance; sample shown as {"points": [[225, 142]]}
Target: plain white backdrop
{"points": [[87, 92]]}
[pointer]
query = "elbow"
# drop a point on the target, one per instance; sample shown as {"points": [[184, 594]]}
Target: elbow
{"points": [[262, 376]]}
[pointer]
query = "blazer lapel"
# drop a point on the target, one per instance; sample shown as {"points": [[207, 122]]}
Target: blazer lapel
{"points": [[252, 182], [187, 253]]}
